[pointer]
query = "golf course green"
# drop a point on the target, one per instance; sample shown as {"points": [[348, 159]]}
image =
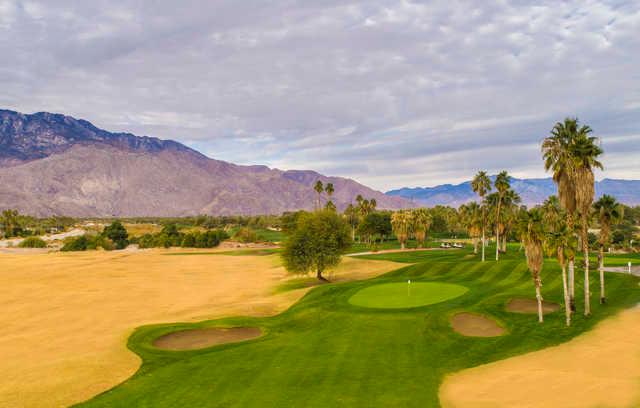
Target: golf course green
{"points": [[406, 294], [326, 351]]}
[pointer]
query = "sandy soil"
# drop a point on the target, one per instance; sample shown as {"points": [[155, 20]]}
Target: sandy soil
{"points": [[600, 368], [200, 338], [470, 324], [66, 316], [520, 305]]}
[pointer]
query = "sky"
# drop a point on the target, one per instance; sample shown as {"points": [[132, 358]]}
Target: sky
{"points": [[390, 93]]}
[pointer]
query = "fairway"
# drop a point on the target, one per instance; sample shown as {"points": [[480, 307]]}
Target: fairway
{"points": [[405, 294], [324, 351]]}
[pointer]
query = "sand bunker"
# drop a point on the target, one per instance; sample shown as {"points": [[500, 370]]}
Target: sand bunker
{"points": [[600, 368], [470, 324], [521, 305], [201, 338]]}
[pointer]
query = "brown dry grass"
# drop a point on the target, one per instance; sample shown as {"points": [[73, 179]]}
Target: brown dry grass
{"points": [[66, 316], [600, 368]]}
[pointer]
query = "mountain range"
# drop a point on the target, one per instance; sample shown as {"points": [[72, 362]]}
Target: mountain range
{"points": [[532, 191], [55, 164]]}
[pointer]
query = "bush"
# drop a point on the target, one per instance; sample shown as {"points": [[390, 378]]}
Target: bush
{"points": [[246, 235], [169, 238], [117, 233], [87, 242], [81, 243], [33, 242]]}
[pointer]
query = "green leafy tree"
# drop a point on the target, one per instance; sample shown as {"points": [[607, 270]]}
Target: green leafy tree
{"points": [[117, 233], [318, 243]]}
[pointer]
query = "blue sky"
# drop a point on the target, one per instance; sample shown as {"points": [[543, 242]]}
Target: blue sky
{"points": [[391, 93]]}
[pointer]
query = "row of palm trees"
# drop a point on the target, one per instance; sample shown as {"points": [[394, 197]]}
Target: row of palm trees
{"points": [[503, 203], [559, 227], [407, 223]]}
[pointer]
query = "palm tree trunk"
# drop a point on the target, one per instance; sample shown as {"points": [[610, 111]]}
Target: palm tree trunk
{"points": [[567, 307], [603, 299], [483, 243], [539, 298], [498, 232], [585, 251], [475, 246], [572, 285]]}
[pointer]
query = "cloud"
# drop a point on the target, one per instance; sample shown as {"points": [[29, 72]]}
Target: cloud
{"points": [[390, 93]]}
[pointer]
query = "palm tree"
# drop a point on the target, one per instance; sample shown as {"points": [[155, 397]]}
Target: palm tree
{"points": [[471, 218], [352, 216], [532, 235], [329, 189], [319, 189], [561, 242], [509, 215], [421, 224], [10, 220], [609, 212], [585, 152], [570, 154], [481, 184], [502, 185], [401, 224]]}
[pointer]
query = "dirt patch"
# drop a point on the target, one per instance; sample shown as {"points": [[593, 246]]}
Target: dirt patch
{"points": [[201, 338], [470, 324], [522, 305]]}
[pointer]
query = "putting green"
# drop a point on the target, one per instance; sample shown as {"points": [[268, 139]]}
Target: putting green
{"points": [[405, 295]]}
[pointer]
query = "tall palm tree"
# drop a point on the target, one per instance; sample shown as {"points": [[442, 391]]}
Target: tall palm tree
{"points": [[481, 184], [509, 215], [421, 223], [351, 213], [570, 154], [608, 212], [561, 242], [471, 218], [502, 184], [585, 152], [401, 224], [329, 189], [532, 235], [319, 187]]}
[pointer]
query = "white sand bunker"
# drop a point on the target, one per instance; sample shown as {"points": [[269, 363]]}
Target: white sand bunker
{"points": [[201, 338], [475, 325]]}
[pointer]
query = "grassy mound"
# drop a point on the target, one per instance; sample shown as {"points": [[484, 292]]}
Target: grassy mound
{"points": [[406, 295], [324, 351]]}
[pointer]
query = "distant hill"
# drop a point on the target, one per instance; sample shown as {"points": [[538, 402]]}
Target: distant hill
{"points": [[56, 164], [532, 191]]}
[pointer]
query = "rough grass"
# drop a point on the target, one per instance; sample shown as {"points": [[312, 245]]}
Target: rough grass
{"points": [[324, 351]]}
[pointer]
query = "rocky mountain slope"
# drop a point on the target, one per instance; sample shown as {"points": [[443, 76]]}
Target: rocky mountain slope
{"points": [[55, 164], [532, 191]]}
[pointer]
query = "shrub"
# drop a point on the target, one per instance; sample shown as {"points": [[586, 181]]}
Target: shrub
{"points": [[246, 234], [33, 242], [81, 243], [118, 235]]}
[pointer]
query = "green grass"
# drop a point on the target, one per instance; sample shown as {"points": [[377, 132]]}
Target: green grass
{"points": [[324, 351], [400, 295]]}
